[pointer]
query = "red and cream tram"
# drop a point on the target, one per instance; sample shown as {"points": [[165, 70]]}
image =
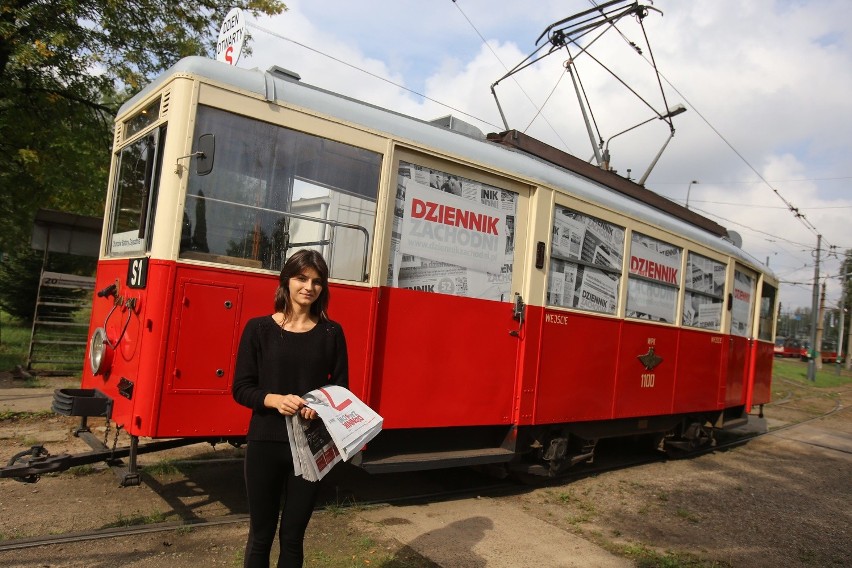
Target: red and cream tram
{"points": [[500, 307]]}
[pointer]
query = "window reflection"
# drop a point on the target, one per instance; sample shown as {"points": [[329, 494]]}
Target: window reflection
{"points": [[273, 191], [134, 198]]}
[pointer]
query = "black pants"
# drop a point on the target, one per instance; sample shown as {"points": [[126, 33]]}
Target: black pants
{"points": [[269, 481]]}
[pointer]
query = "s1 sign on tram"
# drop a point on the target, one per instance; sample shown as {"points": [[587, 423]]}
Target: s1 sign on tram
{"points": [[229, 46]]}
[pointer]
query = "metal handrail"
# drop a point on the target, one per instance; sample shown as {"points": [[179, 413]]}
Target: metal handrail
{"points": [[329, 222]]}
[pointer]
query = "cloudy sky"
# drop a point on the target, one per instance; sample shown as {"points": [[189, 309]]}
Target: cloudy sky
{"points": [[767, 85]]}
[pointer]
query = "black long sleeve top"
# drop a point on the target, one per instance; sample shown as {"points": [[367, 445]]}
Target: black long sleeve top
{"points": [[271, 360]]}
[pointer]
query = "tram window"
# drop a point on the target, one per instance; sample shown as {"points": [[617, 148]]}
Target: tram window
{"points": [[135, 194], [704, 297], [654, 279], [142, 119], [585, 262], [742, 306], [452, 235], [767, 312], [273, 191]]}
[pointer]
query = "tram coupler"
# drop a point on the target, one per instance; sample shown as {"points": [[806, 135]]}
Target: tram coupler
{"points": [[29, 465]]}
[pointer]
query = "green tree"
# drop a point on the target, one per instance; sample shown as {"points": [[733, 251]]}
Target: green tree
{"points": [[65, 67]]}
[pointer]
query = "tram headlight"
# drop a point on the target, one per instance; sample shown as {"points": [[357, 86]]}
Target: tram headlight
{"points": [[100, 352]]}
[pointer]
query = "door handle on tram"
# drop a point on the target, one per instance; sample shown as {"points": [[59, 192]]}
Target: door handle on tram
{"points": [[518, 312]]}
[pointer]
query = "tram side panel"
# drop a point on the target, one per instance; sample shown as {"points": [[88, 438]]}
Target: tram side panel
{"points": [[763, 373], [761, 379], [577, 373], [646, 370], [737, 371], [700, 373], [594, 368], [443, 360], [210, 307]]}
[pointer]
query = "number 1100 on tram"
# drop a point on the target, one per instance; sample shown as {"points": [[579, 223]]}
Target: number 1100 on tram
{"points": [[504, 303]]}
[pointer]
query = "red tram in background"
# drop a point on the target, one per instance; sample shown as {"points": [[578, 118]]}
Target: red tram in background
{"points": [[504, 303], [790, 347]]}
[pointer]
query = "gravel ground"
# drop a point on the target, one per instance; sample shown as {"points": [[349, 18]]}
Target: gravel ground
{"points": [[779, 500]]}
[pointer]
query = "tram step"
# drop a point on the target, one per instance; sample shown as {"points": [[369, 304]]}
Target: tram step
{"points": [[433, 460], [81, 402]]}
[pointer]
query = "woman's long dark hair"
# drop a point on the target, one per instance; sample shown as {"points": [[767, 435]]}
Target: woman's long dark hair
{"points": [[294, 266]]}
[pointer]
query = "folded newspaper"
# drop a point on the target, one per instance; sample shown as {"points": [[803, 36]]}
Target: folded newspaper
{"points": [[345, 424]]}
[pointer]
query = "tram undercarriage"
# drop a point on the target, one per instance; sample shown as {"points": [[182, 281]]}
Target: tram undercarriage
{"points": [[546, 450]]}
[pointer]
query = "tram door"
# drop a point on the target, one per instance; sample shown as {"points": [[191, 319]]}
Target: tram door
{"points": [[741, 331], [445, 353]]}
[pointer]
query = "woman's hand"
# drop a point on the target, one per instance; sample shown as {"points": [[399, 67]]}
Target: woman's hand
{"points": [[308, 413], [288, 404]]}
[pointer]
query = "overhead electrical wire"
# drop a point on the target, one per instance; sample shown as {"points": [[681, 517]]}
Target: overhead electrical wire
{"points": [[793, 209], [529, 98], [762, 206], [710, 214]]}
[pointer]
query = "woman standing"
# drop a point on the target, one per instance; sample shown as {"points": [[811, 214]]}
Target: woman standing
{"points": [[282, 356]]}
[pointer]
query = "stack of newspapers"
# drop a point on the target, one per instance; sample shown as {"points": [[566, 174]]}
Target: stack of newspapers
{"points": [[345, 424]]}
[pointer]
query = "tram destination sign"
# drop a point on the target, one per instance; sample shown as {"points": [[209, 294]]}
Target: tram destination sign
{"points": [[232, 35]]}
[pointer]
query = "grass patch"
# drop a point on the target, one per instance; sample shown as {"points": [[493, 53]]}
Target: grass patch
{"points": [[137, 520], [340, 508], [686, 515], [797, 371], [646, 557], [14, 342], [82, 470], [15, 338], [163, 468], [19, 416]]}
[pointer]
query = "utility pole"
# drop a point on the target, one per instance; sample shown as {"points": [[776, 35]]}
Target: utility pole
{"points": [[847, 272], [842, 317], [849, 344], [817, 351], [814, 310]]}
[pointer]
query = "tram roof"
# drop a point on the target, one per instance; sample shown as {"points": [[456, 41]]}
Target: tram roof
{"points": [[595, 185]]}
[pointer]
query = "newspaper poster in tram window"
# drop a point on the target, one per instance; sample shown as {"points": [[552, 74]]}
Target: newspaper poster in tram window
{"points": [[580, 237], [658, 262], [597, 291], [567, 236], [349, 421], [702, 301], [452, 235]]}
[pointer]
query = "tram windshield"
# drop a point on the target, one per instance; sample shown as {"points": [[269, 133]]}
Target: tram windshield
{"points": [[273, 191]]}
